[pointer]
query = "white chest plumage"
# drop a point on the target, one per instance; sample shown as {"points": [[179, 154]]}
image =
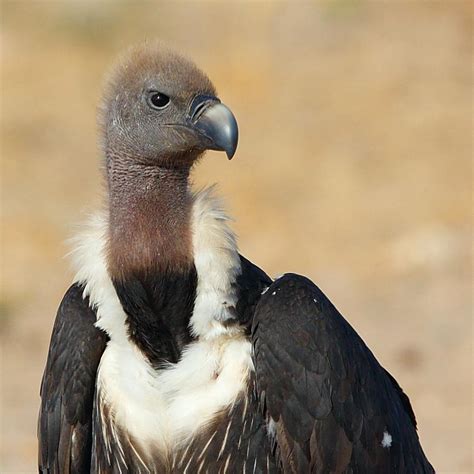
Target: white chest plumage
{"points": [[165, 408], [168, 407]]}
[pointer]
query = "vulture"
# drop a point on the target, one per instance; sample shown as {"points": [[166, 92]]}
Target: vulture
{"points": [[173, 353]]}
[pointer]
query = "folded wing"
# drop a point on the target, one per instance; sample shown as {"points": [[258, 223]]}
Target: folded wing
{"points": [[329, 405], [67, 389]]}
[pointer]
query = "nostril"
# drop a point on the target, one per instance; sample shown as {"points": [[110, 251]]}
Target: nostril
{"points": [[199, 109], [199, 104]]}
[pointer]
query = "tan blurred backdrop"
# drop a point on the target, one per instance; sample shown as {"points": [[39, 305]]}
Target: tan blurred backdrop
{"points": [[353, 168]]}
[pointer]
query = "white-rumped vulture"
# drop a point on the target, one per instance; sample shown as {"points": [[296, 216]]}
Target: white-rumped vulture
{"points": [[171, 352]]}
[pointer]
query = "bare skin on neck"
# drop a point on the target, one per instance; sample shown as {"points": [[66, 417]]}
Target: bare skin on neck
{"points": [[149, 212]]}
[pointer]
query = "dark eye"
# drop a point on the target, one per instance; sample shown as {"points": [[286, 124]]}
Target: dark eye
{"points": [[158, 100]]}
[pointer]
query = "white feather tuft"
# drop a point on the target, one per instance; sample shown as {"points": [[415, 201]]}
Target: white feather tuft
{"points": [[386, 440], [90, 261], [217, 262]]}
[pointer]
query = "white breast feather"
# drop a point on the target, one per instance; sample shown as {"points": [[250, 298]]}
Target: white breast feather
{"points": [[166, 408], [217, 261]]}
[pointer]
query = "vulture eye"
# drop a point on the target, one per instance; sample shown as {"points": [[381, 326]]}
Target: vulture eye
{"points": [[158, 100]]}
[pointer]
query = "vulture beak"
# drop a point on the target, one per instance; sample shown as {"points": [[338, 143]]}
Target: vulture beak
{"points": [[215, 122]]}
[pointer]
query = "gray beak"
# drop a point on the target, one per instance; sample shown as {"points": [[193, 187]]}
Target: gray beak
{"points": [[216, 123]]}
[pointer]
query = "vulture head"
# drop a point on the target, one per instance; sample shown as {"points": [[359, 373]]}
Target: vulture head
{"points": [[160, 109], [158, 115]]}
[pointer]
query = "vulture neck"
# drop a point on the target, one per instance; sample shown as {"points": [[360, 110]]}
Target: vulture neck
{"points": [[149, 218], [150, 255]]}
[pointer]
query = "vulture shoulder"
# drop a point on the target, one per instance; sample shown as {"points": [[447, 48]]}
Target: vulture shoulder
{"points": [[251, 283], [67, 388], [329, 405]]}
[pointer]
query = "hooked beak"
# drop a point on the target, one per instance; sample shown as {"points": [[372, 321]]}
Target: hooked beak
{"points": [[215, 122]]}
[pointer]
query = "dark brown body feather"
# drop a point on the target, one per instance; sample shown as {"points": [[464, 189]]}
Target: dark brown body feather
{"points": [[328, 398], [67, 388]]}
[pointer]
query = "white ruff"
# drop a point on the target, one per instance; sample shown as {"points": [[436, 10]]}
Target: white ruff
{"points": [[165, 408], [217, 262]]}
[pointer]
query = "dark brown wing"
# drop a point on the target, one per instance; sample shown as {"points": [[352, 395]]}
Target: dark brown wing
{"points": [[67, 389], [330, 406]]}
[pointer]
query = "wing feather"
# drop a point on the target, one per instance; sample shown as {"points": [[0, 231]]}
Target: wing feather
{"points": [[67, 388], [327, 397]]}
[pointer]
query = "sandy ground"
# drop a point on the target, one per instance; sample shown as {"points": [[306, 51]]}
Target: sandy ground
{"points": [[354, 168]]}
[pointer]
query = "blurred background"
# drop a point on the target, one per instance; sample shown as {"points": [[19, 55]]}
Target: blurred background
{"points": [[354, 168]]}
